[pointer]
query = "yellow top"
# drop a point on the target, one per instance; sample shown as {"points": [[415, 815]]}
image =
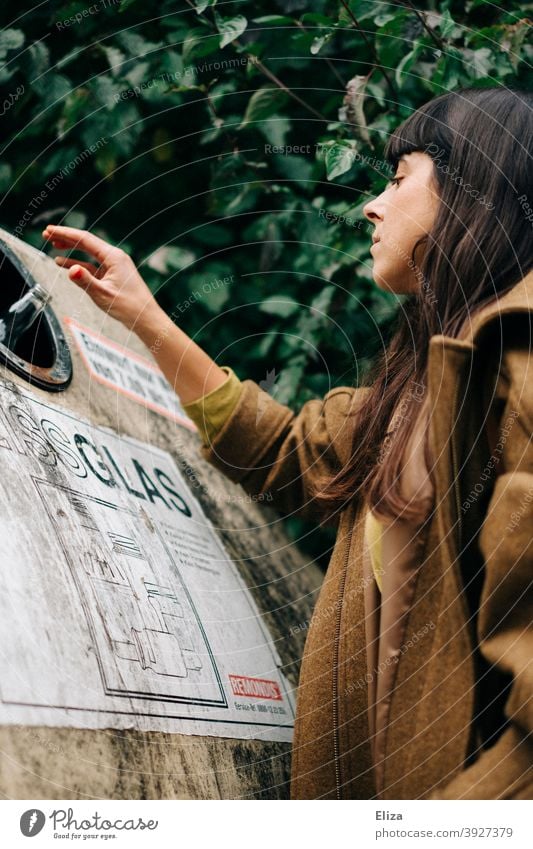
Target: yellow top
{"points": [[373, 530], [210, 411]]}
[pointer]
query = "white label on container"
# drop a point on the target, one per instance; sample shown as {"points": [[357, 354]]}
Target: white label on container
{"points": [[127, 372], [120, 606]]}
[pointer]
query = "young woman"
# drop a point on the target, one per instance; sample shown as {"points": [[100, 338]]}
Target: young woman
{"points": [[417, 674]]}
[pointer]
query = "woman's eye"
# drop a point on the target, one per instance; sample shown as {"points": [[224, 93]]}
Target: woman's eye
{"points": [[396, 180]]}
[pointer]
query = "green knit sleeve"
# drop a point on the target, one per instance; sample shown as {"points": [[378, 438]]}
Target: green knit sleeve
{"points": [[210, 411]]}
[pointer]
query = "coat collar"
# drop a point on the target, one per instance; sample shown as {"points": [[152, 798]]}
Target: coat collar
{"points": [[450, 367], [449, 375], [518, 299]]}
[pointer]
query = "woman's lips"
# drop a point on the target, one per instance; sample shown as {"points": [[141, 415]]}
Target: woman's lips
{"points": [[375, 244]]}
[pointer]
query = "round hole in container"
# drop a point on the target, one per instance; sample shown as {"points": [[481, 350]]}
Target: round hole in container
{"points": [[41, 355]]}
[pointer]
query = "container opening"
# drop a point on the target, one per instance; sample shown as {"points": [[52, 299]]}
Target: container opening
{"points": [[36, 345]]}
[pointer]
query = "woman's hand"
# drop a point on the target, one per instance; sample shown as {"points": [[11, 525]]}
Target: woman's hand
{"points": [[114, 284]]}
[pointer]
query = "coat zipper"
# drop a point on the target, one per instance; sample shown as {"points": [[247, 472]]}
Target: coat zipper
{"points": [[336, 745]]}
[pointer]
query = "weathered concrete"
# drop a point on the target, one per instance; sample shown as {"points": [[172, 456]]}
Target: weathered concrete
{"points": [[53, 763]]}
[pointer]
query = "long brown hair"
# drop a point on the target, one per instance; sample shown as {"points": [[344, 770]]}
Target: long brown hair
{"points": [[480, 245]]}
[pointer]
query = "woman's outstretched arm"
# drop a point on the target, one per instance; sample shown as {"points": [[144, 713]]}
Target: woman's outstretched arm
{"points": [[263, 445], [115, 285]]}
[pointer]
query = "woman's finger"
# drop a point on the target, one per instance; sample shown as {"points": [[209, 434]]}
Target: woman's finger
{"points": [[82, 239], [61, 246], [68, 262], [83, 278]]}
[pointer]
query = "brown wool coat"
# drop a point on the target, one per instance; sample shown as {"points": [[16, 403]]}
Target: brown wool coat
{"points": [[426, 692]]}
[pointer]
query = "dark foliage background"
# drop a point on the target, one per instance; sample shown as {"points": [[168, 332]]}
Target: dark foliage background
{"points": [[149, 123]]}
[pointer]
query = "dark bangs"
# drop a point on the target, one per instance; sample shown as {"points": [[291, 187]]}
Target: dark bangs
{"points": [[426, 130]]}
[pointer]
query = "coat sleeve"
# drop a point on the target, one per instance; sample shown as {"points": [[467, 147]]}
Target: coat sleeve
{"points": [[505, 621], [278, 454]]}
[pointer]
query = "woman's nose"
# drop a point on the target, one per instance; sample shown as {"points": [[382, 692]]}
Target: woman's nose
{"points": [[370, 211]]}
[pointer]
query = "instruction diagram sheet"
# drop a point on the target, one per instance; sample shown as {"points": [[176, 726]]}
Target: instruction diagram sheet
{"points": [[120, 606]]}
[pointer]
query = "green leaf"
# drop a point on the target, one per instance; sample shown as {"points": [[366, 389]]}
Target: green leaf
{"points": [[6, 73], [105, 162], [448, 71], [53, 89], [138, 73], [297, 168], [447, 24], [481, 61], [339, 159], [75, 218], [199, 43], [70, 56], [201, 5], [319, 42], [6, 174], [405, 64], [274, 20], [230, 28], [136, 46], [390, 39], [384, 18], [115, 58], [290, 380], [215, 296], [36, 60], [10, 39], [74, 108], [266, 343], [105, 88], [275, 129], [315, 18], [213, 235], [377, 91], [322, 302], [243, 201], [362, 9], [170, 258], [263, 103], [280, 305]]}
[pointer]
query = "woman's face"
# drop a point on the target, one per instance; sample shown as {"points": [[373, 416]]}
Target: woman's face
{"points": [[403, 212]]}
